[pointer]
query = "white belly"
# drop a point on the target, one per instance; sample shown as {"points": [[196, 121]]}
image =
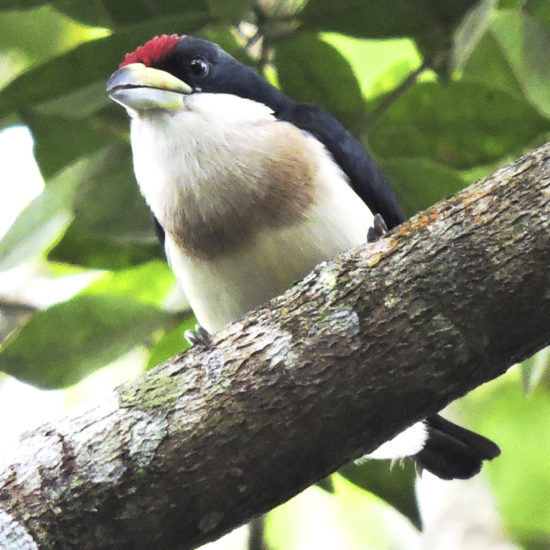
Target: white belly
{"points": [[226, 287]]}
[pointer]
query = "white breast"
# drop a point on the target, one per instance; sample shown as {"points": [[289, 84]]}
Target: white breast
{"points": [[226, 287], [170, 156]]}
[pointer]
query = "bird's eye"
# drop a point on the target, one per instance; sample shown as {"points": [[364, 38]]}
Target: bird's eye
{"points": [[199, 67]]}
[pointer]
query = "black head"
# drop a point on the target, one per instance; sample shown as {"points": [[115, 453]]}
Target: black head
{"points": [[206, 68]]}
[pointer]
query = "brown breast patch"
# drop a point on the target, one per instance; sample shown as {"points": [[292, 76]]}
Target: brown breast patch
{"points": [[262, 183]]}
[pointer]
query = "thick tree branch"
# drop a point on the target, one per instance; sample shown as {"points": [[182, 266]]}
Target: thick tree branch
{"points": [[362, 347]]}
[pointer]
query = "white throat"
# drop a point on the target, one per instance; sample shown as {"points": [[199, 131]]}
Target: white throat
{"points": [[173, 151]]}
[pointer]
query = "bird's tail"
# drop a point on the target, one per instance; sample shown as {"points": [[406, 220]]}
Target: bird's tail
{"points": [[453, 452]]}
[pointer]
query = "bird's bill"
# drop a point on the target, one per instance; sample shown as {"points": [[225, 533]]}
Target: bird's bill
{"points": [[140, 88]]}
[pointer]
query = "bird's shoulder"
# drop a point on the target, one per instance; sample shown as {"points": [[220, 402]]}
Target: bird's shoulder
{"points": [[364, 175]]}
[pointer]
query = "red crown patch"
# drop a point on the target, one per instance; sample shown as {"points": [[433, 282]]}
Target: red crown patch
{"points": [[153, 50]]}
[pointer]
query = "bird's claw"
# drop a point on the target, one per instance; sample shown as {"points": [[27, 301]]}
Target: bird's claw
{"points": [[198, 336], [378, 229]]}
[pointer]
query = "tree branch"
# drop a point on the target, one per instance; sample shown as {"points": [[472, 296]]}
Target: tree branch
{"points": [[362, 347]]}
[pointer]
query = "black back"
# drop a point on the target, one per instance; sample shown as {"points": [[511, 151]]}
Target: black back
{"points": [[364, 175]]}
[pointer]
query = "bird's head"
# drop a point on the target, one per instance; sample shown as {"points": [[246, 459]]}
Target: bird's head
{"points": [[163, 73]]}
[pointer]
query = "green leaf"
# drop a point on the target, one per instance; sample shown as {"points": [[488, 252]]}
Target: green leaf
{"points": [[302, 63], [83, 249], [508, 4], [149, 283], [461, 125], [82, 103], [379, 65], [91, 12], [375, 19], [119, 13], [229, 10], [88, 63], [446, 14], [520, 476], [540, 9], [59, 140], [31, 36], [420, 183], [326, 484], [512, 57], [41, 222], [109, 205], [74, 125], [395, 486], [429, 22], [470, 32], [442, 18], [61, 345], [129, 12], [21, 4], [112, 226], [68, 341], [525, 43], [350, 519], [488, 65], [37, 33]]}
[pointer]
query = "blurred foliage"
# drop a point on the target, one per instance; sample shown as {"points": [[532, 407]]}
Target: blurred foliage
{"points": [[394, 485], [520, 477], [439, 92], [348, 519]]}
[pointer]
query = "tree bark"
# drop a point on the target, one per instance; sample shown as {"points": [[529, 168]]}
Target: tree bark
{"points": [[362, 347]]}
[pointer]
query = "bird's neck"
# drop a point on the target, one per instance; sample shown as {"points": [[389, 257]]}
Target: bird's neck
{"points": [[212, 186]]}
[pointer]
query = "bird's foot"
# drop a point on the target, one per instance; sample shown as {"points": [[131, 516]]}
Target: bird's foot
{"points": [[198, 336], [378, 229]]}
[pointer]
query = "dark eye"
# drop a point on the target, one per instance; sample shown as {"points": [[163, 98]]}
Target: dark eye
{"points": [[199, 67]]}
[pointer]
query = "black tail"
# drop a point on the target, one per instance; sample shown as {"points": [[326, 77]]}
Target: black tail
{"points": [[452, 452]]}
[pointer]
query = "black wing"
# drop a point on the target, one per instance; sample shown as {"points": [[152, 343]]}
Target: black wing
{"points": [[365, 177]]}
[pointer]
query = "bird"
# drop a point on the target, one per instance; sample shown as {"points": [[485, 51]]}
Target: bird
{"points": [[250, 190]]}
